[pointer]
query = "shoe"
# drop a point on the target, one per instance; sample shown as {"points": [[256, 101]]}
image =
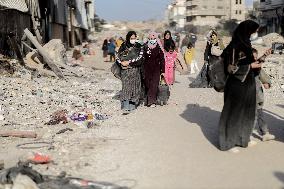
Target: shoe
{"points": [[252, 143], [268, 137], [125, 112], [153, 106], [234, 150]]}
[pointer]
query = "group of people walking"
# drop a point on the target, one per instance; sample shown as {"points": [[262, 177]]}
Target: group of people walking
{"points": [[110, 47], [145, 67]]}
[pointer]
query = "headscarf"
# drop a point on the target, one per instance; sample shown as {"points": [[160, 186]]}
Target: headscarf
{"points": [[126, 44], [128, 36], [243, 32], [168, 42], [155, 36], [241, 40]]}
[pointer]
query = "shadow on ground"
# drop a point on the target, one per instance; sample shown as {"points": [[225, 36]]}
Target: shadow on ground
{"points": [[206, 118], [280, 176], [275, 124]]}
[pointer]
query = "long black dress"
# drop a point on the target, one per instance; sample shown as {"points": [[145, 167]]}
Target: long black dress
{"points": [[154, 65], [238, 115]]}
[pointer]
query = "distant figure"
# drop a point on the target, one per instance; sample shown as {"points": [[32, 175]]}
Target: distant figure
{"points": [[177, 40], [192, 39], [189, 57], [77, 55], [184, 43], [214, 49], [105, 50], [154, 67], [111, 50], [118, 43]]}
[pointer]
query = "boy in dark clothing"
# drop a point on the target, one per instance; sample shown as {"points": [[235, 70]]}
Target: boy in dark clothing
{"points": [[261, 80]]}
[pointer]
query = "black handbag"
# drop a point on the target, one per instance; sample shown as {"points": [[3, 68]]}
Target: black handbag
{"points": [[116, 70], [216, 72]]}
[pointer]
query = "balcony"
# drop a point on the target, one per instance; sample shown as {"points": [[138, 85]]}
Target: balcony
{"points": [[211, 12]]}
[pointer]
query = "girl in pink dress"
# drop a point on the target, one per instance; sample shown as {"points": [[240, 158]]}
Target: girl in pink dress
{"points": [[170, 58]]}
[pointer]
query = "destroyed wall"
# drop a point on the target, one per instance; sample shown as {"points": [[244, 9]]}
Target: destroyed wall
{"points": [[55, 22], [18, 21]]}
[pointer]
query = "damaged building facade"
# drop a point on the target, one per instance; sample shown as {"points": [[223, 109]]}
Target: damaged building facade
{"points": [[71, 20], [272, 16]]}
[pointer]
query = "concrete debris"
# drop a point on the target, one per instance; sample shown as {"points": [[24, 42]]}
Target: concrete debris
{"points": [[271, 38], [6, 67], [56, 50], [31, 102]]}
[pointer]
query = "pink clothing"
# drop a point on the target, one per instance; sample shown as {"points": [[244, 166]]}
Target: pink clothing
{"points": [[170, 67]]}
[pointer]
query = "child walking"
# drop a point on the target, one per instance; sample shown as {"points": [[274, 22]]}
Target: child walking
{"points": [[170, 59], [189, 57], [261, 79]]}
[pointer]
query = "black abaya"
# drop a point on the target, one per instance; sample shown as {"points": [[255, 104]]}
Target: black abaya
{"points": [[238, 114]]}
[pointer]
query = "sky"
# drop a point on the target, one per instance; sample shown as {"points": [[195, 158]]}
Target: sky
{"points": [[133, 10]]}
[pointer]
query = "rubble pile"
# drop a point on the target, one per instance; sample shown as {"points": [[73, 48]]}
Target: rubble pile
{"points": [[272, 38], [274, 64], [274, 67], [32, 102]]}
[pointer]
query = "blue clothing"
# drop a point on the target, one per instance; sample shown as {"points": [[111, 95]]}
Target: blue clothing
{"points": [[111, 48]]}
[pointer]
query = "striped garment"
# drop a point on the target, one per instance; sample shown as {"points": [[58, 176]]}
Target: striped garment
{"points": [[131, 77]]}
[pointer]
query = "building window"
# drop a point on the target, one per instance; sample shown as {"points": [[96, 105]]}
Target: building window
{"points": [[237, 1], [240, 1], [219, 7], [236, 12], [240, 12]]}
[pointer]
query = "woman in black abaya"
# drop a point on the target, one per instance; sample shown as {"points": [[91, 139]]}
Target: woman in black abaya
{"points": [[238, 114]]}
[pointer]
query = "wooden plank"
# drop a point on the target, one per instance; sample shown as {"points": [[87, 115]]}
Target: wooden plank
{"points": [[44, 54], [20, 134]]}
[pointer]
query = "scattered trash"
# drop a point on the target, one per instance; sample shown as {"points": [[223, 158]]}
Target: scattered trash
{"points": [[39, 159], [58, 117], [64, 131], [24, 176], [20, 134]]}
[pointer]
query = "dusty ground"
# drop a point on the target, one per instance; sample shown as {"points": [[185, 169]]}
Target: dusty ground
{"points": [[169, 147]]}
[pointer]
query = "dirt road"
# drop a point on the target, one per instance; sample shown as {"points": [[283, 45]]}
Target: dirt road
{"points": [[169, 147]]}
